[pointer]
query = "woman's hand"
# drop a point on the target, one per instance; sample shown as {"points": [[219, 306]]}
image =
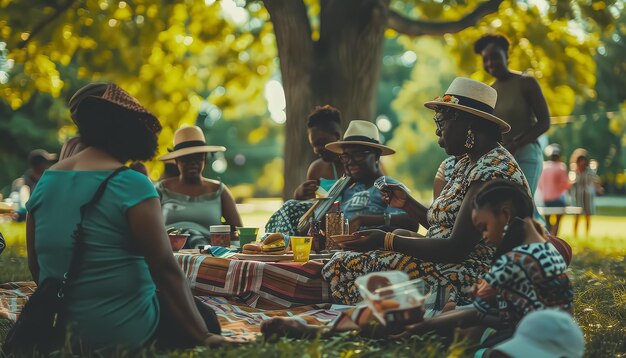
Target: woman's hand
{"points": [[355, 223], [394, 196], [366, 240], [306, 190]]}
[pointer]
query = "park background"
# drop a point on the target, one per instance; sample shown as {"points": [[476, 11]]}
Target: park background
{"points": [[248, 73]]}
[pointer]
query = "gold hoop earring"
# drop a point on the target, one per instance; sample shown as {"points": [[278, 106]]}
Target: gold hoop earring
{"points": [[470, 139]]}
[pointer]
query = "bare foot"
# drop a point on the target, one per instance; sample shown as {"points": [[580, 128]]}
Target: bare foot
{"points": [[288, 327]]}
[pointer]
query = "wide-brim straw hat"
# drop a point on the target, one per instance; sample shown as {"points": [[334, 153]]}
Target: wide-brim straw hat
{"points": [[190, 140], [577, 153], [93, 99], [360, 133], [472, 97]]}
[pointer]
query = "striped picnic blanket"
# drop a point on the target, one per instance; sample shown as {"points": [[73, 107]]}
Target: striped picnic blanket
{"points": [[264, 285], [236, 319], [13, 296]]}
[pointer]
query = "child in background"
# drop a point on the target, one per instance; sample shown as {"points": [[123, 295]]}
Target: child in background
{"points": [[553, 185], [585, 184]]}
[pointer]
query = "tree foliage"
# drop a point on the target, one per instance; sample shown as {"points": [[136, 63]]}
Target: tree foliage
{"points": [[555, 43], [176, 57], [186, 59]]}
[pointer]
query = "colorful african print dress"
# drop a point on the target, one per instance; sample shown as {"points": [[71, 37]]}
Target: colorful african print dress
{"points": [[529, 278], [450, 279]]}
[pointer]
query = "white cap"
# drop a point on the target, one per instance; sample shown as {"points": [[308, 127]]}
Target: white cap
{"points": [[219, 228], [548, 333]]}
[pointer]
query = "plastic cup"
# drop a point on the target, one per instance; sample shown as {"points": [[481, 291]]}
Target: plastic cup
{"points": [[301, 247], [247, 234]]}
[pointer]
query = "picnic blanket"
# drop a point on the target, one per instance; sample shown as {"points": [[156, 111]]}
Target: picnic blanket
{"points": [[264, 285], [237, 320]]}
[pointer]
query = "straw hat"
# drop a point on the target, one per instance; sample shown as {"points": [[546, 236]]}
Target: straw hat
{"points": [[91, 99], [190, 140], [361, 133], [578, 152], [472, 97]]}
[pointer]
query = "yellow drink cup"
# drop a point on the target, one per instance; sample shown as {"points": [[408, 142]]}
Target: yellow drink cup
{"points": [[301, 247]]}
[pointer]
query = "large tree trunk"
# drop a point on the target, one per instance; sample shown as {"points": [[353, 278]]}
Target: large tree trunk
{"points": [[341, 69], [295, 51]]}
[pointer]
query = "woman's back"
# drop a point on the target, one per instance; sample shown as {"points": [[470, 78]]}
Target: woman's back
{"points": [[113, 298]]}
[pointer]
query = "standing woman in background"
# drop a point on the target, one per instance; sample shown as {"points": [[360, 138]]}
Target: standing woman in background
{"points": [[520, 103]]}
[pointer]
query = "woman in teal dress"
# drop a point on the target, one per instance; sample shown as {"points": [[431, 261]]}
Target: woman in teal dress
{"points": [[113, 300]]}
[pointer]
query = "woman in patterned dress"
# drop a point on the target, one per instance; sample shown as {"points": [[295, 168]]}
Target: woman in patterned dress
{"points": [[452, 255]]}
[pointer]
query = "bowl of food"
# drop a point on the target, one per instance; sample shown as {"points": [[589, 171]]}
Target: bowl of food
{"points": [[177, 238]]}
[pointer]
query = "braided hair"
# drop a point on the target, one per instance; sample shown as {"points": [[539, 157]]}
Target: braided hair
{"points": [[496, 193]]}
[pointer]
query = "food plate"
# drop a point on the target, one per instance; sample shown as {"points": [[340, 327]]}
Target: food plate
{"points": [[278, 258]]}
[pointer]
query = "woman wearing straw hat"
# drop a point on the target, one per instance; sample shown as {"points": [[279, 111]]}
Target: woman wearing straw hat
{"points": [[452, 255], [191, 201], [362, 204], [126, 255]]}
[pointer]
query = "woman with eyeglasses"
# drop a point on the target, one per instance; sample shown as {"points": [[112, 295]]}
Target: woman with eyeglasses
{"points": [[453, 254], [362, 204]]}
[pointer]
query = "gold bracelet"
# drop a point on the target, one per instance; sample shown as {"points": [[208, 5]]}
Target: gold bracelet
{"points": [[388, 244]]}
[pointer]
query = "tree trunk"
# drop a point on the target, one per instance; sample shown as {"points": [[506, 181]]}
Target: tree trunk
{"points": [[295, 51], [341, 69]]}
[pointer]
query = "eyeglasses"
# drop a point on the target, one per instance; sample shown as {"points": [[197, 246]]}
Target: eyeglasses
{"points": [[357, 157], [443, 115]]}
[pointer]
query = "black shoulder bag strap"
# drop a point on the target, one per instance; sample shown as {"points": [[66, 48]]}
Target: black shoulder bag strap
{"points": [[79, 242]]}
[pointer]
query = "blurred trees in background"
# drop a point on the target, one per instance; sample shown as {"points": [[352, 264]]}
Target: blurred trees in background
{"points": [[209, 62]]}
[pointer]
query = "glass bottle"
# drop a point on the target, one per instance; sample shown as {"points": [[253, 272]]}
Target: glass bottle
{"points": [[315, 231]]}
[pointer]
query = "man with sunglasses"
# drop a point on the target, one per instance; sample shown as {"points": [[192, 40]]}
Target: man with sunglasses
{"points": [[362, 203]]}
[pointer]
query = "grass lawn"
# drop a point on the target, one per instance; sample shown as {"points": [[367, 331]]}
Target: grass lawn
{"points": [[598, 272]]}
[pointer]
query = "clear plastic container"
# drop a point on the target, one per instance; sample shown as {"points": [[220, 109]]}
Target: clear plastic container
{"points": [[393, 297]]}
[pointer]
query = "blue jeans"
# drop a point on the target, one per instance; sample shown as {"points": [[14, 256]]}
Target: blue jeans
{"points": [[530, 160]]}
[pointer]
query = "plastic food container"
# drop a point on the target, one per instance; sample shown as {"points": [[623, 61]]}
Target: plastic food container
{"points": [[393, 297], [220, 235]]}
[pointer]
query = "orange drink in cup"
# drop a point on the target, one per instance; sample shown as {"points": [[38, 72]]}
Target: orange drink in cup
{"points": [[301, 247]]}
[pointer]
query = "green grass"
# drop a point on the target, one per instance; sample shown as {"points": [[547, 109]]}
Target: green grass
{"points": [[598, 273]]}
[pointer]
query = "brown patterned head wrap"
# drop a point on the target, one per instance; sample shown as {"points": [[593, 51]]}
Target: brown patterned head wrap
{"points": [[91, 98]]}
